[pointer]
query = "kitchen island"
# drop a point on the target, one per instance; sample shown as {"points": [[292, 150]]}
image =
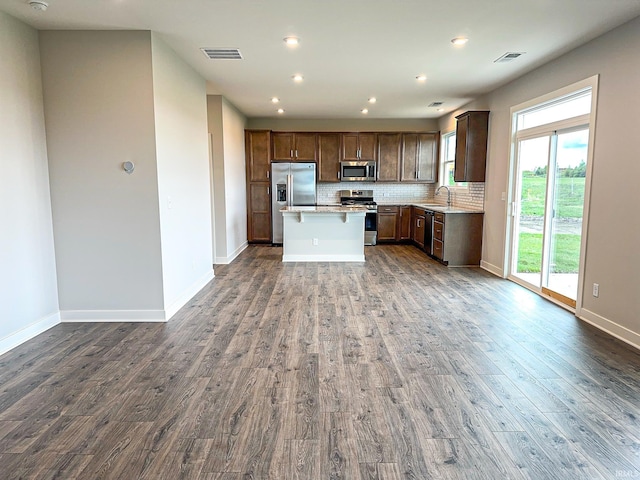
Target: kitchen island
{"points": [[323, 234]]}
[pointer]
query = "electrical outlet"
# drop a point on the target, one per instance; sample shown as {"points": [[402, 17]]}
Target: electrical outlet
{"points": [[596, 289], [315, 242]]}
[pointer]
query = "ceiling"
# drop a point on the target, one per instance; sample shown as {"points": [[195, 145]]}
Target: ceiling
{"points": [[350, 50]]}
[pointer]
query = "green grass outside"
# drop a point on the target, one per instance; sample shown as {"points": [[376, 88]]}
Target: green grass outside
{"points": [[566, 256], [570, 196]]}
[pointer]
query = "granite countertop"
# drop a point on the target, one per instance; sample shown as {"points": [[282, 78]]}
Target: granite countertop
{"points": [[326, 209], [433, 207], [445, 209]]}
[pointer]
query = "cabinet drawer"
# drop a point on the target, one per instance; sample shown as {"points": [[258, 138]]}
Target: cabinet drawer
{"points": [[438, 231], [438, 249], [438, 217], [387, 209]]}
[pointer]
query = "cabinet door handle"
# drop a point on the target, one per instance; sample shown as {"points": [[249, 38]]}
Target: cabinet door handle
{"points": [[338, 175], [267, 173], [291, 153], [418, 223], [268, 190], [296, 153]]}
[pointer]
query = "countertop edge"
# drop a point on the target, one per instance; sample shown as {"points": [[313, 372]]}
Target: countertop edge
{"points": [[433, 208]]}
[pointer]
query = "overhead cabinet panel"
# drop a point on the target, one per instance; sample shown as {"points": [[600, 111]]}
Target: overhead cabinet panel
{"points": [[283, 146], [420, 157], [294, 147], [472, 130], [358, 146], [329, 157], [389, 154], [305, 147], [257, 147]]}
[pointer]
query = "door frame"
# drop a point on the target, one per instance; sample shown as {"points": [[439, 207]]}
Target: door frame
{"points": [[583, 85]]}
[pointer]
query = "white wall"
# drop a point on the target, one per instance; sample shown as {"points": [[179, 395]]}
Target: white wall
{"points": [[613, 236], [99, 112], [226, 126], [235, 179], [344, 125], [214, 123], [182, 152], [28, 291]]}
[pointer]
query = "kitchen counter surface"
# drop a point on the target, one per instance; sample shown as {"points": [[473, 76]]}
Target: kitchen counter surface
{"points": [[433, 207], [325, 209]]}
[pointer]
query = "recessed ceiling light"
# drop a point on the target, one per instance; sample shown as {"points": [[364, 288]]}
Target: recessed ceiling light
{"points": [[459, 40], [373, 100], [365, 110], [291, 41], [281, 110], [39, 5], [275, 100], [421, 78], [297, 77], [440, 110]]}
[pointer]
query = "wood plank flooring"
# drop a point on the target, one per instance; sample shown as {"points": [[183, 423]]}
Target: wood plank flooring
{"points": [[398, 368]]}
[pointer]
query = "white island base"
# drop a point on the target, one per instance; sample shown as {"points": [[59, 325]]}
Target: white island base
{"points": [[323, 234]]}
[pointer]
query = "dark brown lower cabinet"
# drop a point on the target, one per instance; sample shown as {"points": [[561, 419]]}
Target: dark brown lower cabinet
{"points": [[259, 213], [404, 224], [419, 225], [387, 223], [457, 238], [394, 223]]}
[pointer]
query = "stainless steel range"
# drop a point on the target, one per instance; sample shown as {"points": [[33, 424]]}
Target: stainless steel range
{"points": [[364, 197]]}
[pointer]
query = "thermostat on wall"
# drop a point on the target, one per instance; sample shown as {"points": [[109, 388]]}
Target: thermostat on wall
{"points": [[128, 167]]}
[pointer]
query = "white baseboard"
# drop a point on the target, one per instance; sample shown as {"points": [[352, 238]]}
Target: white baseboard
{"points": [[27, 333], [188, 294], [489, 267], [323, 258], [612, 328], [97, 316], [227, 260]]}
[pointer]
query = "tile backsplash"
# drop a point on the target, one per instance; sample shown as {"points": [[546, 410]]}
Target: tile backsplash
{"points": [[390, 193]]}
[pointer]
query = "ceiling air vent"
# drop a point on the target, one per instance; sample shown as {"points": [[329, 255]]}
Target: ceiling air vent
{"points": [[507, 57], [222, 53], [436, 104]]}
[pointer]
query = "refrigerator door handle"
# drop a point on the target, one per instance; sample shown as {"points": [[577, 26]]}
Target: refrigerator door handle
{"points": [[289, 190]]}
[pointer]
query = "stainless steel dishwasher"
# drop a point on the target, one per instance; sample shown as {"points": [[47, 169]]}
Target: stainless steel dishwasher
{"points": [[428, 232]]}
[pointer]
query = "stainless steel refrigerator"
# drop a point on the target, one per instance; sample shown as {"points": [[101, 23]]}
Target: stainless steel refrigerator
{"points": [[292, 184]]}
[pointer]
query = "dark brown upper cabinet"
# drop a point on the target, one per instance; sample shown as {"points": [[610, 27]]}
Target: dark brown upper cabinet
{"points": [[472, 129]]}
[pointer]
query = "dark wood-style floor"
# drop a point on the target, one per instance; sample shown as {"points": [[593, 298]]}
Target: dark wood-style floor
{"points": [[396, 368]]}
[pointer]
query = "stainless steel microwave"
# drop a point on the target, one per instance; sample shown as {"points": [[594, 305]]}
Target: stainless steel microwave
{"points": [[361, 171]]}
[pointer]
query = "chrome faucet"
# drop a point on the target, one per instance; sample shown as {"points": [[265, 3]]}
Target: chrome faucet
{"points": [[448, 194]]}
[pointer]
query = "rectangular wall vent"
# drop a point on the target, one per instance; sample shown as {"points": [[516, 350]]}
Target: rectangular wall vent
{"points": [[507, 57], [436, 104], [222, 53]]}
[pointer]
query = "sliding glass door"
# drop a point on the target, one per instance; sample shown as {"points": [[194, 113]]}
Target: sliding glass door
{"points": [[566, 198], [547, 227], [533, 159]]}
